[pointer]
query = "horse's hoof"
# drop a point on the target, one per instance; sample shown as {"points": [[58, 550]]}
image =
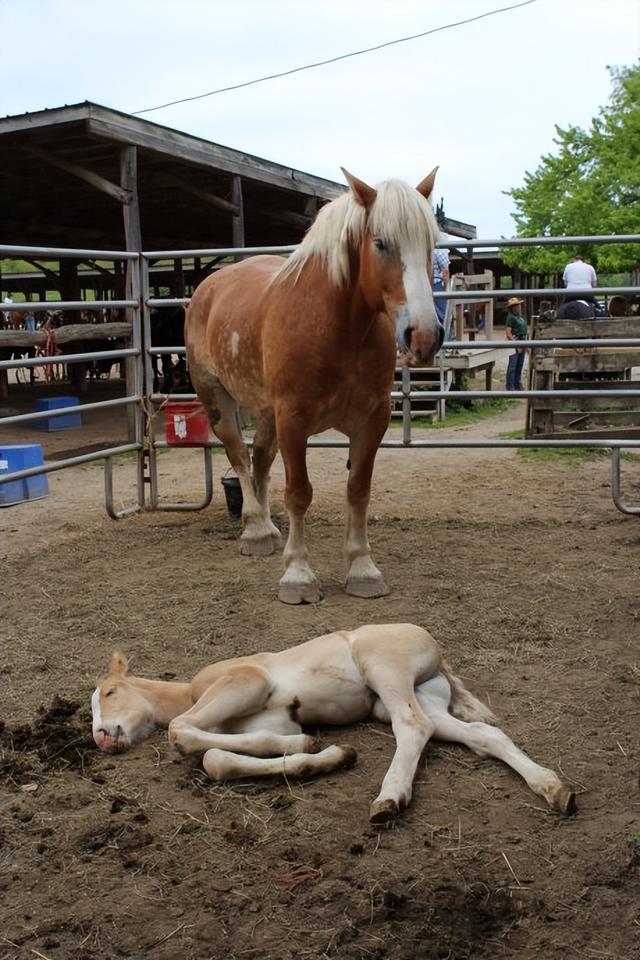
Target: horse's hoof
{"points": [[383, 811], [564, 801], [294, 593], [257, 546], [366, 588]]}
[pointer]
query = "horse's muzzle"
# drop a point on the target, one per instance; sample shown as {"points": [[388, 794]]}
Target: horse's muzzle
{"points": [[414, 352]]}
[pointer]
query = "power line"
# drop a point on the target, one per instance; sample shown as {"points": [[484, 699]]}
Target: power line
{"points": [[344, 56]]}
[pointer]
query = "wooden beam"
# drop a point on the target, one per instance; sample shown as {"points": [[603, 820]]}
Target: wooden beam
{"points": [[299, 220], [204, 195], [51, 274], [602, 327], [459, 229], [83, 173], [180, 146], [69, 333]]}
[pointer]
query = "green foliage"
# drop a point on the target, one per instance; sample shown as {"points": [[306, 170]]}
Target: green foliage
{"points": [[590, 186]]}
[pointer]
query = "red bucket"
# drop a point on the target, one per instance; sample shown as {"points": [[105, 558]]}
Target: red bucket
{"points": [[187, 424]]}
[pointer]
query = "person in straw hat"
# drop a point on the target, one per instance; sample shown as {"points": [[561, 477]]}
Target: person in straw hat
{"points": [[515, 329]]}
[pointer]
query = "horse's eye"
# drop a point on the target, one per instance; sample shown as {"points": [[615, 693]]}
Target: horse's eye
{"points": [[379, 244], [111, 692]]}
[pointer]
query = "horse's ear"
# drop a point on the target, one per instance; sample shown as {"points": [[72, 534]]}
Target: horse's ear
{"points": [[362, 193], [119, 663], [425, 186]]}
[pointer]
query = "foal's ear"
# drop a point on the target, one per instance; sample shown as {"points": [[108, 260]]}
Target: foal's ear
{"points": [[425, 186], [362, 193], [119, 663]]}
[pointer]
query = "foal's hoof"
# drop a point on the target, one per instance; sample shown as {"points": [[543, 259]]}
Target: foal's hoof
{"points": [[258, 546], [366, 588], [383, 811], [564, 801], [349, 755], [300, 592]]}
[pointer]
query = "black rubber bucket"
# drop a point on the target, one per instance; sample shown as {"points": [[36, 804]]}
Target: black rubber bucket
{"points": [[233, 494]]}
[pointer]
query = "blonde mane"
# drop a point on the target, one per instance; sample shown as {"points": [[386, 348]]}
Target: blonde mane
{"points": [[400, 215]]}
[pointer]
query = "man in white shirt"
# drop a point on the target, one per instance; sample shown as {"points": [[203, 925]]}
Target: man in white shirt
{"points": [[579, 275]]}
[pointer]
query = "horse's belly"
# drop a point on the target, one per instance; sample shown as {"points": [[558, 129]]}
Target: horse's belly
{"points": [[325, 694]]}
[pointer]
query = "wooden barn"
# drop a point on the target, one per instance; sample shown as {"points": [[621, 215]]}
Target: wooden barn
{"points": [[90, 177]]}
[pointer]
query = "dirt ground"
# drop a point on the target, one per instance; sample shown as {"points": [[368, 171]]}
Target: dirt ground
{"points": [[526, 574]]}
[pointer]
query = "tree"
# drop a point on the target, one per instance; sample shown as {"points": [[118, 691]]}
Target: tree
{"points": [[590, 186]]}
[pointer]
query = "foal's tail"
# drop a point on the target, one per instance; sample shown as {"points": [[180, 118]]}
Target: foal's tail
{"points": [[464, 705]]}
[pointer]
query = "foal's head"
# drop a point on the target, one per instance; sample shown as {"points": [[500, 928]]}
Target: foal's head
{"points": [[122, 715]]}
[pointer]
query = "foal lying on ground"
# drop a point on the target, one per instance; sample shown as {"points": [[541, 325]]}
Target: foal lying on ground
{"points": [[247, 715]]}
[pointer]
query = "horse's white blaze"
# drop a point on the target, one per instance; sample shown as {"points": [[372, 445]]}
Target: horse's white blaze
{"points": [[95, 710], [418, 293]]}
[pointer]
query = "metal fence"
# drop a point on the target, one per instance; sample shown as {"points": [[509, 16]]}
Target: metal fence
{"points": [[134, 388], [145, 439]]}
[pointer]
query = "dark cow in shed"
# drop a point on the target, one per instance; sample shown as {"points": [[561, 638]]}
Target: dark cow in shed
{"points": [[167, 330]]}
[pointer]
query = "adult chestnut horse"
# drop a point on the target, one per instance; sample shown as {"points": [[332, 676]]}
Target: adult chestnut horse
{"points": [[309, 344]]}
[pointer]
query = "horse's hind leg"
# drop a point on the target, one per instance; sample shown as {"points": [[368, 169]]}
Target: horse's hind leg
{"points": [[265, 447], [258, 535]]}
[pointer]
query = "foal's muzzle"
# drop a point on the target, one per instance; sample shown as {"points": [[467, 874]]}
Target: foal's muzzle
{"points": [[110, 742]]}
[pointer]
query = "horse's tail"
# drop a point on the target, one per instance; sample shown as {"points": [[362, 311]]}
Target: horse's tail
{"points": [[463, 704]]}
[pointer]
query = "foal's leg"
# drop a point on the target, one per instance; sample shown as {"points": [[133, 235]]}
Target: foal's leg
{"points": [[299, 583], [411, 727], [488, 741], [243, 692], [363, 577], [223, 765]]}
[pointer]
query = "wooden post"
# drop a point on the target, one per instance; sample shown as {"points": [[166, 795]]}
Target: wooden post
{"points": [[237, 223], [133, 241], [178, 278]]}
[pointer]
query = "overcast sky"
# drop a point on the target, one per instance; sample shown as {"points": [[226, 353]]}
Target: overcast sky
{"points": [[480, 99]]}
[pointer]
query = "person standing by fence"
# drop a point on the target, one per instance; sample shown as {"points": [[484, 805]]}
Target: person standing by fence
{"points": [[515, 329], [440, 281]]}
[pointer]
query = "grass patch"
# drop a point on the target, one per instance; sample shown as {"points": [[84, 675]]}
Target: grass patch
{"points": [[458, 415], [544, 454]]}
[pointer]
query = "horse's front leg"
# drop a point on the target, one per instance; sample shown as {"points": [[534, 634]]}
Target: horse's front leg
{"points": [[299, 583], [363, 577]]}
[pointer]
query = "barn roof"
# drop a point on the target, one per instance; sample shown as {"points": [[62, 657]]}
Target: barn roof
{"points": [[62, 184]]}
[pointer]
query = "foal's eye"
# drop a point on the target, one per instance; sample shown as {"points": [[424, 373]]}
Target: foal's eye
{"points": [[379, 244], [111, 692]]}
